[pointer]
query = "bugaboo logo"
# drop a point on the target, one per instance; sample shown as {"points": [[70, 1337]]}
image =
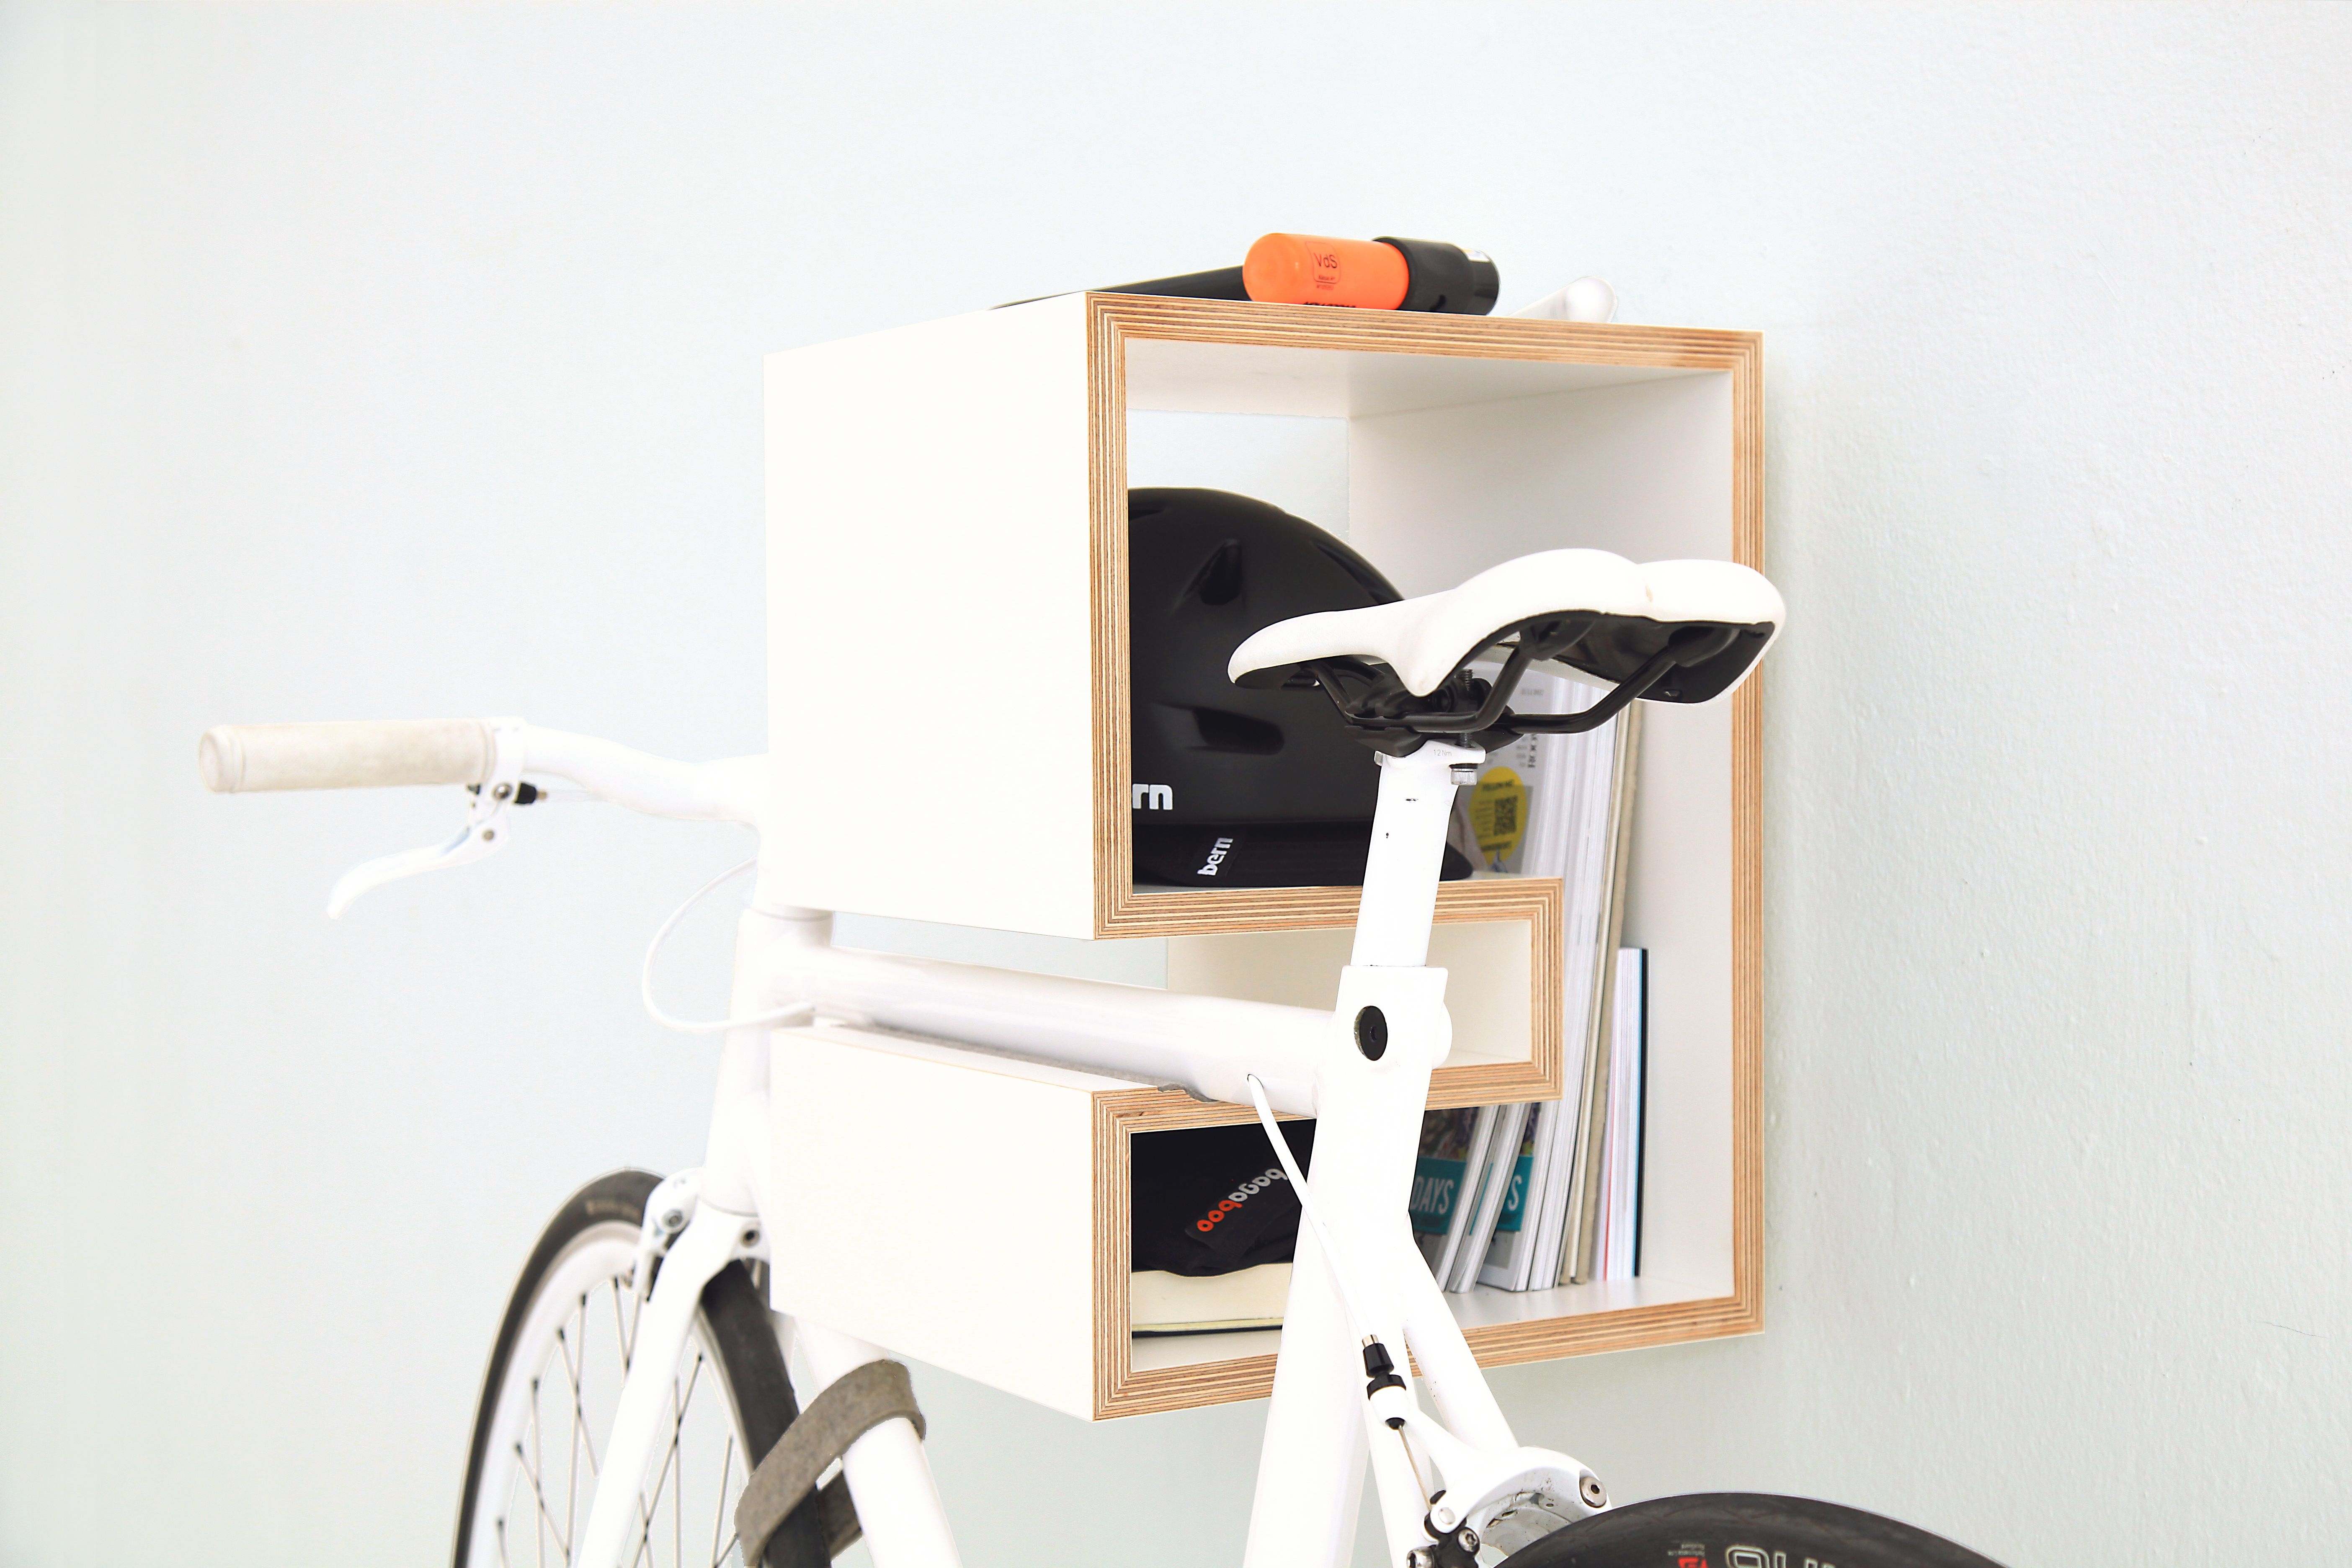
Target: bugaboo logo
{"points": [[1154, 797], [1239, 1196], [1216, 858]]}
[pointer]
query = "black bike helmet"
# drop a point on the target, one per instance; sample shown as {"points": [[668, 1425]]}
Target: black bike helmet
{"points": [[1236, 787]]}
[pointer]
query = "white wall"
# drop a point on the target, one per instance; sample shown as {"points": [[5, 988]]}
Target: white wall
{"points": [[364, 361]]}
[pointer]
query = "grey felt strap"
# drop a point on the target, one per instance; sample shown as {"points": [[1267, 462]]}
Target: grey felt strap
{"points": [[870, 1394]]}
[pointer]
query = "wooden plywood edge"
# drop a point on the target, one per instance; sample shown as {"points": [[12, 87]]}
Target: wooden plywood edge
{"points": [[1118, 1115], [1541, 1076], [1187, 1387], [1208, 1382], [1398, 332], [1184, 912], [1114, 830], [1495, 1345], [1748, 865], [1629, 1327]]}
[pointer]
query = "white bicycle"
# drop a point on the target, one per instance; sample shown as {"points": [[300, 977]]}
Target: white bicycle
{"points": [[637, 1406]]}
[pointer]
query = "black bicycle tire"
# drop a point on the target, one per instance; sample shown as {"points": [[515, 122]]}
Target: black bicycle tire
{"points": [[741, 1335], [1742, 1530]]}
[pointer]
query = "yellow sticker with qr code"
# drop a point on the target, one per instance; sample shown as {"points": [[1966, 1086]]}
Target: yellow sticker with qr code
{"points": [[1499, 814]]}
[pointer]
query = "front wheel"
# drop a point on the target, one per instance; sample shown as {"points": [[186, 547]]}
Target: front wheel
{"points": [[554, 1383], [1741, 1530]]}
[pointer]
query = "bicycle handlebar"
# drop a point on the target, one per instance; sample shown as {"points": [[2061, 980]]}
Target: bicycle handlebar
{"points": [[236, 758], [239, 758]]}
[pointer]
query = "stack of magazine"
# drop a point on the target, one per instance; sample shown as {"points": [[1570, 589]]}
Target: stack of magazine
{"points": [[1526, 1196]]}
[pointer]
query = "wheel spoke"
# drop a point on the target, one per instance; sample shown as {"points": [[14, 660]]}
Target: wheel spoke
{"points": [[622, 1328], [561, 1355], [563, 1538], [669, 1459], [575, 1377], [530, 1473], [645, 1534], [719, 1517], [677, 1502]]}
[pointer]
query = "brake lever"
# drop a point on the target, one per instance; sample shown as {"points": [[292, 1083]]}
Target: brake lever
{"points": [[486, 831]]}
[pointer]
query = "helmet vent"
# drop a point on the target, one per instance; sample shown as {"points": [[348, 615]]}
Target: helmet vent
{"points": [[1223, 731], [1219, 580], [1376, 587]]}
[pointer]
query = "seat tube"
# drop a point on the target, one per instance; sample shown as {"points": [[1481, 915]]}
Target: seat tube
{"points": [[1369, 1105], [1408, 853], [1393, 929]]}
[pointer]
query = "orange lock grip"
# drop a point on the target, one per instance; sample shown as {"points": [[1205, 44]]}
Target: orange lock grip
{"points": [[1310, 269]]}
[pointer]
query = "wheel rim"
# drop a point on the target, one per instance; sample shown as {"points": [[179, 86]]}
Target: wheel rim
{"points": [[562, 1384]]}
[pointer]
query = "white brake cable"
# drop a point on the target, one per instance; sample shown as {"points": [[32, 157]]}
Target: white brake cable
{"points": [[1347, 1299], [717, 1025]]}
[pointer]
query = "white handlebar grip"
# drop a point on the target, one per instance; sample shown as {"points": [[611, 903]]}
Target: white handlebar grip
{"points": [[239, 757]]}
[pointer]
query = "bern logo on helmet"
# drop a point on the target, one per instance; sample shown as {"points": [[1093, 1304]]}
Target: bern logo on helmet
{"points": [[1216, 858], [1154, 797]]}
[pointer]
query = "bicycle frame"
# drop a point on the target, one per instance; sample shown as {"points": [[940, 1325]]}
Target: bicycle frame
{"points": [[1364, 1070], [1367, 1084]]}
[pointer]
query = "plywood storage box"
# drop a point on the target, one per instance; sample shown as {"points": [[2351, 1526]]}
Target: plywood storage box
{"points": [[948, 697], [973, 1214]]}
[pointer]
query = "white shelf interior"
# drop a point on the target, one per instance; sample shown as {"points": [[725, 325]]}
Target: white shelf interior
{"points": [[1436, 468], [1472, 1309], [1346, 383], [1488, 979]]}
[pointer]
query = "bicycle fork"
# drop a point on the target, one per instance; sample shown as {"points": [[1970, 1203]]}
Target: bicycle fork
{"points": [[719, 1202], [713, 1239]]}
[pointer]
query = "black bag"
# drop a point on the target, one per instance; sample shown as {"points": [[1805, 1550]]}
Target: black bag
{"points": [[1209, 1200]]}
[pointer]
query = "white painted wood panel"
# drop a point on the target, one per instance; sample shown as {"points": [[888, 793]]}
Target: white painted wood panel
{"points": [[1645, 469], [1298, 465], [1488, 980], [1225, 378], [927, 582], [1642, 468], [938, 1203]]}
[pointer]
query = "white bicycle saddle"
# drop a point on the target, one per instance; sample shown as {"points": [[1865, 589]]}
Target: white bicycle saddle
{"points": [[1676, 631]]}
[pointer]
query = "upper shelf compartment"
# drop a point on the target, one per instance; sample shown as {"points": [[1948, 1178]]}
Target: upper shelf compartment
{"points": [[947, 566]]}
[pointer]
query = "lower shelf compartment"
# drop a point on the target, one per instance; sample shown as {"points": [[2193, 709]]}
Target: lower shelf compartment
{"points": [[1482, 1308], [1504, 1327], [972, 1210]]}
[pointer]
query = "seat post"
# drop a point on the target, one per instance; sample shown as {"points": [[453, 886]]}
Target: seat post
{"points": [[1408, 855]]}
